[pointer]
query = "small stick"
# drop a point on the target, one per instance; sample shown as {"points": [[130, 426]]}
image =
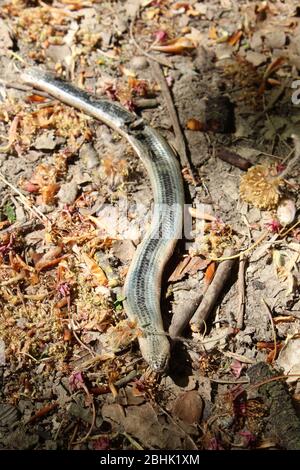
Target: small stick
{"points": [[124, 380], [233, 158], [182, 317], [268, 310], [212, 294], [179, 138], [145, 103], [42, 412], [241, 290]]}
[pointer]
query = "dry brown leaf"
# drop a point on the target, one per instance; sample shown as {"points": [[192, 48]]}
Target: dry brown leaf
{"points": [[97, 273], [50, 263], [36, 99], [188, 265], [50, 258], [176, 46], [12, 134], [212, 33], [189, 407], [48, 193], [234, 38], [18, 264], [209, 273]]}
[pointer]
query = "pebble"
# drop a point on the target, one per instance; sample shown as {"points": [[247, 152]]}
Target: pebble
{"points": [[286, 211], [256, 41], [255, 58], [275, 39], [45, 141], [68, 192], [139, 63], [89, 156]]}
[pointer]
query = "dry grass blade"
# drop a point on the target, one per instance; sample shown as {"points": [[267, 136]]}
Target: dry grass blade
{"points": [[34, 210], [274, 355]]}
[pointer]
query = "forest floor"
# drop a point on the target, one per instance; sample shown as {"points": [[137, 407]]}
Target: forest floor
{"points": [[71, 373]]}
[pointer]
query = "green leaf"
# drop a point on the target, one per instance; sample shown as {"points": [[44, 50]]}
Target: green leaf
{"points": [[9, 211], [118, 304]]}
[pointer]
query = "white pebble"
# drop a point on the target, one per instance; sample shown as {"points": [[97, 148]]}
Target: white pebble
{"points": [[286, 211]]}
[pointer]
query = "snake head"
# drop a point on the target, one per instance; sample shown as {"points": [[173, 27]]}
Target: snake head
{"points": [[155, 349]]}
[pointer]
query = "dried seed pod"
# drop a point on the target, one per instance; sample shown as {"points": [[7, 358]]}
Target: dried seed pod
{"points": [[286, 211], [260, 187]]}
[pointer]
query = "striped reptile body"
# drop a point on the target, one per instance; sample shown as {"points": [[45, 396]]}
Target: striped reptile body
{"points": [[142, 288]]}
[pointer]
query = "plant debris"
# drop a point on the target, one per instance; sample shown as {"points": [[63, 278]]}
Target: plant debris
{"points": [[220, 80]]}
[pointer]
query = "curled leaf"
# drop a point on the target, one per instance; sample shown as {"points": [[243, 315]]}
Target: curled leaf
{"points": [[176, 46]]}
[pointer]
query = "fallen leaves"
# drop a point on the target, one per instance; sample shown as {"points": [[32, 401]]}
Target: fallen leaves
{"points": [[188, 407], [176, 46], [94, 270], [189, 265]]}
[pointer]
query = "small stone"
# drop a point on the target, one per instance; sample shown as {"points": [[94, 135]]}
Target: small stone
{"points": [[286, 211], [58, 53], [255, 58], [223, 51], [139, 63], [275, 39], [89, 156], [32, 156], [50, 445], [254, 215], [68, 192], [256, 41], [6, 41], [123, 250], [20, 440], [121, 25], [45, 141], [20, 215]]}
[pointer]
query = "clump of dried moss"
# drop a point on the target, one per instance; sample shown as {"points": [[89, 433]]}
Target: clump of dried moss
{"points": [[260, 187]]}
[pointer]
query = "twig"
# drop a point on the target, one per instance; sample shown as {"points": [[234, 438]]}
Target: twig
{"points": [[145, 103], [230, 382], [182, 317], [179, 138], [212, 294], [42, 412], [124, 380], [13, 280], [91, 427], [132, 441], [241, 290], [20, 226], [93, 354], [25, 88], [233, 158], [161, 61], [242, 253], [273, 100], [274, 355]]}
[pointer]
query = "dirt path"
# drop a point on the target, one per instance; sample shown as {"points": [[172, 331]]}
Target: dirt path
{"points": [[224, 92]]}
